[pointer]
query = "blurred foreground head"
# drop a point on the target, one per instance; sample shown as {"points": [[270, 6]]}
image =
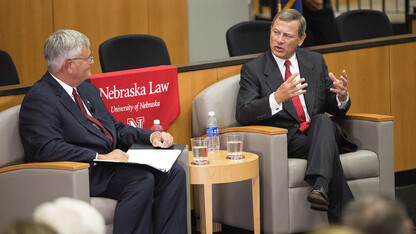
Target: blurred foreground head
{"points": [[378, 215], [70, 216]]}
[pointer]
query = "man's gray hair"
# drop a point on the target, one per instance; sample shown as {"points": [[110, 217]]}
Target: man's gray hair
{"points": [[291, 15], [62, 45], [376, 215]]}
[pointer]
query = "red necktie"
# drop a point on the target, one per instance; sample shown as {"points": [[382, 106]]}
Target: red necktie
{"points": [[80, 104], [304, 125]]}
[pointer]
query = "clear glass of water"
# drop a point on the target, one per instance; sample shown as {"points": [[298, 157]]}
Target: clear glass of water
{"points": [[199, 151], [235, 145]]}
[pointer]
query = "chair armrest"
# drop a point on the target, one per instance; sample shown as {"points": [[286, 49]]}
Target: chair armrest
{"points": [[255, 128], [375, 133], [371, 117], [25, 186], [367, 129], [69, 166]]}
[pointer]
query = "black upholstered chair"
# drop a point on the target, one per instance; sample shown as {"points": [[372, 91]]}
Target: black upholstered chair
{"points": [[133, 51], [8, 73], [248, 37], [362, 24]]}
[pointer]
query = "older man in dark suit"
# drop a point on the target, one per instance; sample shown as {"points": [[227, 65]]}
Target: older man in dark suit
{"points": [[63, 118], [291, 88]]}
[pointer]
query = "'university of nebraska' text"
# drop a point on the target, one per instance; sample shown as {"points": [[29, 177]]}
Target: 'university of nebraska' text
{"points": [[114, 93]]}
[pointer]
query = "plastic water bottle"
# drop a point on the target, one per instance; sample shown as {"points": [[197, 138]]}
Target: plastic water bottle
{"points": [[213, 133], [156, 126]]}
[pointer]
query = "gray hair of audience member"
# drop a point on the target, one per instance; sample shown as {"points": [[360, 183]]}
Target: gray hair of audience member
{"points": [[291, 15], [27, 227], [62, 45], [70, 216], [377, 215]]}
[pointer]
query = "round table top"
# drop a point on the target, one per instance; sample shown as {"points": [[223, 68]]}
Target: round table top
{"points": [[223, 170]]}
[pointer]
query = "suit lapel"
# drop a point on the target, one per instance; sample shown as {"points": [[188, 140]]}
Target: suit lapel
{"points": [[272, 73], [307, 71], [70, 105]]}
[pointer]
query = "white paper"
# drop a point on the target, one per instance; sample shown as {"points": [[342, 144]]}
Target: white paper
{"points": [[161, 159]]}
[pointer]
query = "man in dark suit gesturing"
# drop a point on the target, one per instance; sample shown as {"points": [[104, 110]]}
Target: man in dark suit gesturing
{"points": [[291, 88], [63, 118]]}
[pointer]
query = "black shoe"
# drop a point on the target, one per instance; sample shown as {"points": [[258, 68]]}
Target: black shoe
{"points": [[318, 198]]}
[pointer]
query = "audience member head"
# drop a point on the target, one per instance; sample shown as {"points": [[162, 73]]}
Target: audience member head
{"points": [[287, 33], [333, 229], [27, 227], [70, 216], [377, 215], [63, 45]]}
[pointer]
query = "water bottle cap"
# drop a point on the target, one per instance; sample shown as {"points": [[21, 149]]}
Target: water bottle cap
{"points": [[211, 113], [156, 121]]}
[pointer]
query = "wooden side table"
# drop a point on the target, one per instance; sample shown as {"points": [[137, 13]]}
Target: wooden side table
{"points": [[223, 170]]}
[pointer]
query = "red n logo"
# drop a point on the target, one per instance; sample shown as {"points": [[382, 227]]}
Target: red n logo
{"points": [[138, 123]]}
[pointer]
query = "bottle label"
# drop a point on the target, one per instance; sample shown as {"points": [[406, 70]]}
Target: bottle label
{"points": [[212, 131]]}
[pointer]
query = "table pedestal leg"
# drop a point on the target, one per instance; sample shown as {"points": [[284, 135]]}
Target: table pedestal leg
{"points": [[205, 204], [255, 186]]}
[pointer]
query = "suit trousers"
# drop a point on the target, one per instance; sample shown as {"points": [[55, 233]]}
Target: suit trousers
{"points": [[147, 197], [319, 147]]}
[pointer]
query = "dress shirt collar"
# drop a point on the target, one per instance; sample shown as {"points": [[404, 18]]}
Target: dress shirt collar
{"points": [[66, 87], [281, 64]]}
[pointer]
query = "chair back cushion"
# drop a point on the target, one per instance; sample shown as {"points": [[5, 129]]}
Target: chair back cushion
{"points": [[249, 37], [221, 98], [133, 51], [10, 144], [362, 24]]}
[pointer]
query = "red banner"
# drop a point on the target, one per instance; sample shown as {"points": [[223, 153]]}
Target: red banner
{"points": [[139, 96]]}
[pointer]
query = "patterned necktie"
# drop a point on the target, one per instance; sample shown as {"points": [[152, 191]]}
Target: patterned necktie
{"points": [[304, 125], [95, 121]]}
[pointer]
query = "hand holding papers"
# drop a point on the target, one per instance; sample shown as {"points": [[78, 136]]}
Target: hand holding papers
{"points": [[161, 159]]}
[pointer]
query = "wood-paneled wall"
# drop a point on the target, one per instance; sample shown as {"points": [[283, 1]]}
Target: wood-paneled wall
{"points": [[26, 24], [24, 27], [403, 100], [368, 77]]}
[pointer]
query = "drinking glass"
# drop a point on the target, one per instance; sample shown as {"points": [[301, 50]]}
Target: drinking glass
{"points": [[235, 145], [199, 151]]}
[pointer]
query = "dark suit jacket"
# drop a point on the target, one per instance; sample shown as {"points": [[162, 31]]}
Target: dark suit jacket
{"points": [[53, 128], [261, 77]]}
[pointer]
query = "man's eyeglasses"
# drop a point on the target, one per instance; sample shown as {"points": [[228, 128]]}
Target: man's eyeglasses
{"points": [[89, 58]]}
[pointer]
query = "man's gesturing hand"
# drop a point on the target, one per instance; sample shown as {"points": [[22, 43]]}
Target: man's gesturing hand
{"points": [[341, 86], [290, 88]]}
